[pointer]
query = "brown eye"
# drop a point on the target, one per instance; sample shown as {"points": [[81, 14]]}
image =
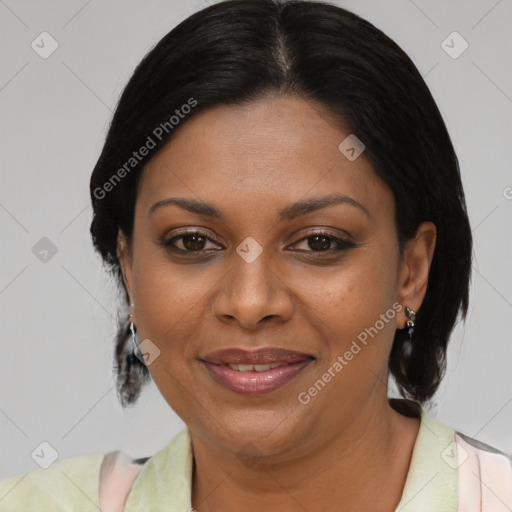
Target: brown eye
{"points": [[325, 242], [193, 242], [320, 242], [188, 242]]}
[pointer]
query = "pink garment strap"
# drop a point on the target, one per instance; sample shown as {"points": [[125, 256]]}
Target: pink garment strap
{"points": [[468, 471], [484, 478], [117, 475]]}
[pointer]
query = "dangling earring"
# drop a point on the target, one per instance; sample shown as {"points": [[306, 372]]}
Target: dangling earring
{"points": [[132, 329], [411, 315]]}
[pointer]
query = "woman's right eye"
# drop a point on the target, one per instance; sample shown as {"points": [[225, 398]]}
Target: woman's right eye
{"points": [[192, 242]]}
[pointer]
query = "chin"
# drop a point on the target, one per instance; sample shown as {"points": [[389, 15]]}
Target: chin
{"points": [[258, 433]]}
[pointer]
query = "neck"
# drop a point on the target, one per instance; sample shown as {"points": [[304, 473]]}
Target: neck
{"points": [[349, 469]]}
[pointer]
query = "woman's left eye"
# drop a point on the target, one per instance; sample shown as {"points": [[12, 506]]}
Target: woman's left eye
{"points": [[321, 242], [197, 242]]}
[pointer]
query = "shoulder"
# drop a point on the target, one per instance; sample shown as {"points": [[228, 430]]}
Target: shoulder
{"points": [[65, 484], [74, 483], [483, 472], [452, 471], [483, 467]]}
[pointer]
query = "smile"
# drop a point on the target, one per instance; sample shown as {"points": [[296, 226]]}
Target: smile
{"points": [[255, 372]]}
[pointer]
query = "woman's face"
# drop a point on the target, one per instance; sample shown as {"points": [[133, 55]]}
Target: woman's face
{"points": [[268, 273]]}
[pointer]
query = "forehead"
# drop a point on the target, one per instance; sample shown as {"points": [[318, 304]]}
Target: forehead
{"points": [[277, 149]]}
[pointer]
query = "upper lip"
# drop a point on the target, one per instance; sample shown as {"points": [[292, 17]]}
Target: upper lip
{"points": [[263, 355]]}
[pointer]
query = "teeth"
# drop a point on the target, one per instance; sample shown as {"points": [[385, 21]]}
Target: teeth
{"points": [[253, 367]]}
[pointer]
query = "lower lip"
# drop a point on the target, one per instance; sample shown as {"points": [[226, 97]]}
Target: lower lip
{"points": [[254, 383]]}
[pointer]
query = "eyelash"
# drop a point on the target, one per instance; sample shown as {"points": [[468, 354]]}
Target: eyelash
{"points": [[341, 243]]}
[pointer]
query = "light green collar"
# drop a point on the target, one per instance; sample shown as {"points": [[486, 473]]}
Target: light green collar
{"points": [[431, 483], [165, 482]]}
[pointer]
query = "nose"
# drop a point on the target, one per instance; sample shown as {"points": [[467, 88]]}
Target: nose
{"points": [[253, 294]]}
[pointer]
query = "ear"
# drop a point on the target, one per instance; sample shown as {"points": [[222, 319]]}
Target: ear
{"points": [[415, 267], [125, 259]]}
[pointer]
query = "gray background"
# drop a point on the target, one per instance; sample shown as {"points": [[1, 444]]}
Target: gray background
{"points": [[58, 316]]}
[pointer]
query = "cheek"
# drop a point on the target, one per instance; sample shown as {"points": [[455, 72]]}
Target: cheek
{"points": [[171, 300], [351, 309], [352, 294], [170, 315]]}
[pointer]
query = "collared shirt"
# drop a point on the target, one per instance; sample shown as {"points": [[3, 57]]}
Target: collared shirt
{"points": [[164, 482], [431, 484]]}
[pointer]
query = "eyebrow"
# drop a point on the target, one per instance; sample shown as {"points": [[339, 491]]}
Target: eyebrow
{"points": [[290, 212]]}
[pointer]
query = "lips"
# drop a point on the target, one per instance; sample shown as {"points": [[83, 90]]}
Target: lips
{"points": [[257, 371]]}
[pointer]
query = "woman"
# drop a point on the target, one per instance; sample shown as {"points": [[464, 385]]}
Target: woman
{"points": [[282, 205]]}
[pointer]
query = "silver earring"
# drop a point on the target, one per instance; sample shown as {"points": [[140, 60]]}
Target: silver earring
{"points": [[411, 315], [134, 334], [134, 342]]}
